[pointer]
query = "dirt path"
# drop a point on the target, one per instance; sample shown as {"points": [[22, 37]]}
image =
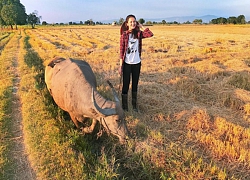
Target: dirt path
{"points": [[21, 169]]}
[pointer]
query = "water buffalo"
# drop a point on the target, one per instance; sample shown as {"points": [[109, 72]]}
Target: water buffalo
{"points": [[72, 85]]}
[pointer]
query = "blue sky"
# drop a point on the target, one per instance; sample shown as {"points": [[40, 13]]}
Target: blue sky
{"points": [[56, 11]]}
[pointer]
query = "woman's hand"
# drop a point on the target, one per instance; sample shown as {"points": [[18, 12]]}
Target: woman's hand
{"points": [[120, 70], [120, 67]]}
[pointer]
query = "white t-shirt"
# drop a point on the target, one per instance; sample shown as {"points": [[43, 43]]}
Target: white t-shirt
{"points": [[132, 53]]}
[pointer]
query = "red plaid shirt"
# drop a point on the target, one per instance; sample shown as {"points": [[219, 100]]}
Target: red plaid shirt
{"points": [[124, 41]]}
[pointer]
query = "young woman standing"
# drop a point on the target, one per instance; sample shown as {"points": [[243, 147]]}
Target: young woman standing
{"points": [[132, 34]]}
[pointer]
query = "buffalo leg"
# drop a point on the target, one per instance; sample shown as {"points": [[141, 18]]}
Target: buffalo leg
{"points": [[74, 119], [90, 128]]}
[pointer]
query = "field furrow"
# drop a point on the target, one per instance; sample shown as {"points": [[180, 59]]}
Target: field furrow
{"points": [[14, 157]]}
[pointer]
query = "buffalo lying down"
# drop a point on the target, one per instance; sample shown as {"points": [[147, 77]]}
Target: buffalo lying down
{"points": [[72, 85]]}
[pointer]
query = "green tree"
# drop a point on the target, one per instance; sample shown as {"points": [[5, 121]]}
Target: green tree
{"points": [[197, 21], [12, 12], [2, 22], [121, 20], [9, 14], [214, 21], [44, 23], [241, 19], [187, 22], [164, 22], [149, 23], [33, 19], [141, 21], [22, 16], [91, 22], [232, 20], [222, 20]]}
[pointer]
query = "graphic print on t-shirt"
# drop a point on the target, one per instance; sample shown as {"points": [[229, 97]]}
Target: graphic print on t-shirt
{"points": [[131, 46], [132, 55]]}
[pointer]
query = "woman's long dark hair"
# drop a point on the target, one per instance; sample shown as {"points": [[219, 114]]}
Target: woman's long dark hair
{"points": [[124, 27]]}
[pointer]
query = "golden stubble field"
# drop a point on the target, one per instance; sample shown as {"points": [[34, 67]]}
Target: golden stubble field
{"points": [[194, 97]]}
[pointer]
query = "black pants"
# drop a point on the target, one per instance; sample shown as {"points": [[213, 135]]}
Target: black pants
{"points": [[128, 70]]}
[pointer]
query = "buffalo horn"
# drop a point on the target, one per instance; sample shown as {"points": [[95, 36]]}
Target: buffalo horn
{"points": [[105, 112]]}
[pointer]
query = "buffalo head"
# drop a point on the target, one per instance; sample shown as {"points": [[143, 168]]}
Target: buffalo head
{"points": [[113, 119]]}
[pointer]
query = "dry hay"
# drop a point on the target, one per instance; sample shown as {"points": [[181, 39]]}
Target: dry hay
{"points": [[194, 82]]}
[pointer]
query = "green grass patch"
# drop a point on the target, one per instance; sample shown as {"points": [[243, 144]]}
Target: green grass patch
{"points": [[6, 87]]}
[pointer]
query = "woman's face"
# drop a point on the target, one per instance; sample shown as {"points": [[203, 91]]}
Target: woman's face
{"points": [[131, 23]]}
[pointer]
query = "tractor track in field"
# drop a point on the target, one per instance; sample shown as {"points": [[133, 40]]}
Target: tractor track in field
{"points": [[21, 168]]}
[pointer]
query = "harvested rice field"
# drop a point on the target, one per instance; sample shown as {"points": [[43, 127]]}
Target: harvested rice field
{"points": [[193, 100]]}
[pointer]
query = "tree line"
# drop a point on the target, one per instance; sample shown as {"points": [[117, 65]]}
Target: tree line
{"points": [[221, 20], [13, 13], [231, 20]]}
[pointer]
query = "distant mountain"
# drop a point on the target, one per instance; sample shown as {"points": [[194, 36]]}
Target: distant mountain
{"points": [[179, 19]]}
